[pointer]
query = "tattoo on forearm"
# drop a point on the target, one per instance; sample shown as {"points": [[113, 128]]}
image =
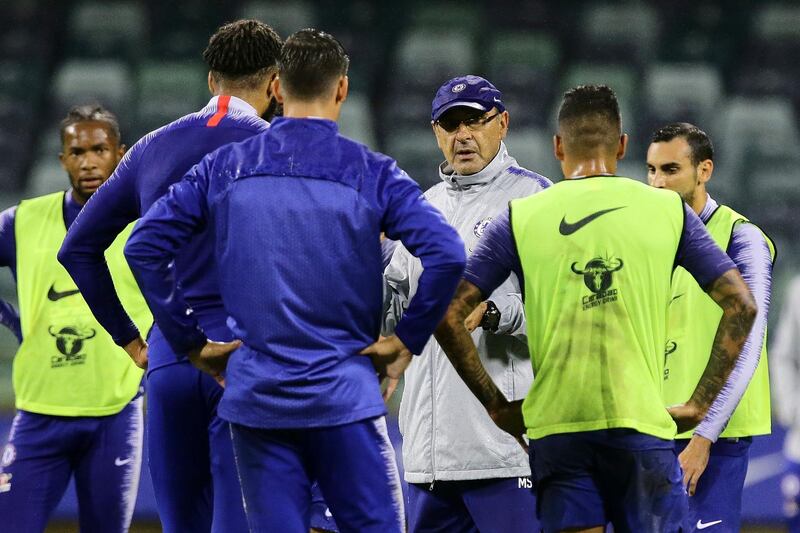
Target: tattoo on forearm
{"points": [[457, 343], [738, 315]]}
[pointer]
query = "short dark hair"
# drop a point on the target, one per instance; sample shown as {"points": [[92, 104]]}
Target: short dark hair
{"points": [[700, 146], [311, 60], [243, 52], [90, 113], [589, 117]]}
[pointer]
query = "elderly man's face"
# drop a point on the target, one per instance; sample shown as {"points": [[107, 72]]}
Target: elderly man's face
{"points": [[470, 138]]}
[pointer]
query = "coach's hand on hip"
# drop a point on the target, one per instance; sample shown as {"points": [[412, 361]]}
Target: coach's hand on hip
{"points": [[212, 358]]}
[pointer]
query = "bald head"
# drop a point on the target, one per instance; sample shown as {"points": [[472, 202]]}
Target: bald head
{"points": [[589, 122]]}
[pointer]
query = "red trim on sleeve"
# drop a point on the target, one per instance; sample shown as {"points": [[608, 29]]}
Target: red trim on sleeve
{"points": [[222, 110]]}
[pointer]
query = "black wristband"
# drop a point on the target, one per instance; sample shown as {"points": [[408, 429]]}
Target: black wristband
{"points": [[491, 318]]}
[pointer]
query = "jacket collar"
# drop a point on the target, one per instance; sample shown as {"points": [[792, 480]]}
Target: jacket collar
{"points": [[489, 173], [234, 104], [708, 210]]}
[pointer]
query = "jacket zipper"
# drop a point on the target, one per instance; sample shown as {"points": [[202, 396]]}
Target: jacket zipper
{"points": [[450, 220]]}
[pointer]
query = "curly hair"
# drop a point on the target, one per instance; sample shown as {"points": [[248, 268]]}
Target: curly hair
{"points": [[243, 52], [90, 113]]}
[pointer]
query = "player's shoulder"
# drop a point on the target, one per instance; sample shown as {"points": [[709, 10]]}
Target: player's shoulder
{"points": [[645, 191], [526, 178], [41, 200]]}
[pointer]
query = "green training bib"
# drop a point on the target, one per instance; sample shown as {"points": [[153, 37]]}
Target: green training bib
{"points": [[597, 256], [67, 364], [693, 321]]}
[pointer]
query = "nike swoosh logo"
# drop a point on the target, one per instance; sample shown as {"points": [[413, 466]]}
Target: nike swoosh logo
{"points": [[122, 462], [53, 295], [676, 297], [565, 228], [701, 525]]}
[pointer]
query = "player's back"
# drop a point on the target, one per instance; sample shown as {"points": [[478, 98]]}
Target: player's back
{"points": [[300, 269], [164, 156], [597, 255]]}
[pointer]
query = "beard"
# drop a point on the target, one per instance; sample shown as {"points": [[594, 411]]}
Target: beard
{"points": [[274, 109]]}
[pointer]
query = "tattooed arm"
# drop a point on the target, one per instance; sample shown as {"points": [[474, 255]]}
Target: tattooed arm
{"points": [[490, 264], [738, 314], [457, 343], [718, 275]]}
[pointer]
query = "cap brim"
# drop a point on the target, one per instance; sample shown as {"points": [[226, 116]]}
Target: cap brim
{"points": [[459, 103]]}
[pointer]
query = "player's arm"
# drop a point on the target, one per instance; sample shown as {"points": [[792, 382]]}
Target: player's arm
{"points": [[424, 232], [109, 211], [8, 258], [717, 274], [785, 358], [751, 255], [490, 264], [151, 249], [510, 319]]}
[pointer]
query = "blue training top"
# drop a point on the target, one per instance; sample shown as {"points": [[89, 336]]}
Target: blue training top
{"points": [[297, 212], [154, 163]]}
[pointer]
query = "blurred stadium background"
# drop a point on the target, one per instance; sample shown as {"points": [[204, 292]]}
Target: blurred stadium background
{"points": [[733, 68]]}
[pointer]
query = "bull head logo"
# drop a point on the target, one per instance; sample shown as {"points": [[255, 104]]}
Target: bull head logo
{"points": [[597, 273], [69, 340]]}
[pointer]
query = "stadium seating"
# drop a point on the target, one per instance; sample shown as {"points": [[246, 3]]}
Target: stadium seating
{"points": [[533, 149], [426, 59], [106, 29], [620, 32], [416, 153], [356, 120], [107, 81], [673, 91], [168, 90], [286, 17]]}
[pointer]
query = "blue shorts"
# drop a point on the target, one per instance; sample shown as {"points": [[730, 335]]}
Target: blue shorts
{"points": [[620, 476], [354, 465], [104, 453], [505, 505], [717, 501], [189, 447]]}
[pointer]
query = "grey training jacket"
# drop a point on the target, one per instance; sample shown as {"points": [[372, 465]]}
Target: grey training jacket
{"points": [[447, 434]]}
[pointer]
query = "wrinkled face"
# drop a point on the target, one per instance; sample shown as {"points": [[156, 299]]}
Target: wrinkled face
{"points": [[669, 166], [90, 153], [470, 138]]}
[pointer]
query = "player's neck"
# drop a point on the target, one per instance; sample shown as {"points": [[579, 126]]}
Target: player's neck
{"points": [[257, 99], [588, 167], [699, 200], [311, 109]]}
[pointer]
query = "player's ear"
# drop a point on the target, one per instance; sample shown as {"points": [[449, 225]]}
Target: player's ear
{"points": [[276, 89], [503, 118], [623, 146], [558, 147], [704, 170], [212, 84], [270, 92], [341, 89]]}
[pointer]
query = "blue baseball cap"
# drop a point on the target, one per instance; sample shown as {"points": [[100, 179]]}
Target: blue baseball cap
{"points": [[468, 91]]}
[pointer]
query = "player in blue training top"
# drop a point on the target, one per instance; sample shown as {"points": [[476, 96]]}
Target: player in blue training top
{"points": [[297, 212], [191, 459]]}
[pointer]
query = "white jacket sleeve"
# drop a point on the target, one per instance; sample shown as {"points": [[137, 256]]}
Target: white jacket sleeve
{"points": [[784, 359], [396, 288]]}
